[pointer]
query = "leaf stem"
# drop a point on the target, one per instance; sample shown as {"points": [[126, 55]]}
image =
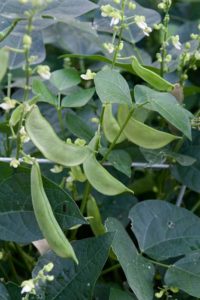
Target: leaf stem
{"points": [[108, 270]]}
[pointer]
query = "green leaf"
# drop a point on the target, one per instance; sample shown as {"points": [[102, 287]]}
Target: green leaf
{"points": [[78, 126], [65, 78], [41, 90], [185, 274], [167, 106], [164, 230], [4, 60], [14, 291], [120, 160], [78, 99], [119, 93], [4, 293], [116, 294], [76, 281], [17, 220], [138, 271], [190, 176]]}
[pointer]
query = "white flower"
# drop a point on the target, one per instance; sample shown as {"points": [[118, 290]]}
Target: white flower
{"points": [[8, 104], [176, 42], [27, 286], [141, 23], [24, 135], [14, 163], [114, 21], [89, 75], [197, 55], [44, 72], [109, 47], [56, 169]]}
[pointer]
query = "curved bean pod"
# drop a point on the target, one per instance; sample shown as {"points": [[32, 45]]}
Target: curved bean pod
{"points": [[143, 135], [110, 125], [150, 77], [101, 179], [45, 217], [50, 145], [96, 222], [16, 115]]}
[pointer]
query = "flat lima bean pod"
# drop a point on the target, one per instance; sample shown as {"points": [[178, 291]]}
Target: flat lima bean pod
{"points": [[101, 179], [151, 78], [141, 134], [111, 127], [50, 145], [45, 217]]}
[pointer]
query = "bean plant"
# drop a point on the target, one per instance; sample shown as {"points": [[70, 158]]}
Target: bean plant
{"points": [[99, 150]]}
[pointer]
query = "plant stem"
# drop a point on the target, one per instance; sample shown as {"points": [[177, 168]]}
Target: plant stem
{"points": [[112, 145], [115, 267], [120, 33], [163, 48], [158, 263]]}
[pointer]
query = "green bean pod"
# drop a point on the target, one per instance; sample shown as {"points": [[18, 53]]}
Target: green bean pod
{"points": [[151, 78], [141, 134], [111, 127], [16, 115], [50, 145], [96, 221], [45, 217], [101, 179], [4, 61]]}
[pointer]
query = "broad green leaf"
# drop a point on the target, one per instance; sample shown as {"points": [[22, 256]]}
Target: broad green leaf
{"points": [[114, 206], [116, 294], [4, 293], [139, 272], [14, 291], [65, 78], [190, 176], [119, 93], [40, 89], [120, 160], [183, 160], [167, 106], [4, 59], [17, 220], [79, 127], [185, 274], [164, 230], [76, 281], [78, 99]]}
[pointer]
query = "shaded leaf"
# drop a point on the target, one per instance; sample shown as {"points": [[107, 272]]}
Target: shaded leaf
{"points": [[116, 294], [164, 230], [76, 282], [17, 220], [167, 106], [185, 274], [138, 271]]}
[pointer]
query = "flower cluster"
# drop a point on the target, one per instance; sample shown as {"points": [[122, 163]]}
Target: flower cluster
{"points": [[30, 286], [111, 12], [140, 21]]}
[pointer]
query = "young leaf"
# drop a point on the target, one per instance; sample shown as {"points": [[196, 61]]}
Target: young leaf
{"points": [[138, 271], [164, 230], [167, 106], [111, 87], [78, 99], [65, 78], [184, 274], [41, 90], [77, 282]]}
